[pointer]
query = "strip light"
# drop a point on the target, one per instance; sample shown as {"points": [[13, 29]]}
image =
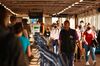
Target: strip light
{"points": [[8, 9], [81, 0], [67, 8]]}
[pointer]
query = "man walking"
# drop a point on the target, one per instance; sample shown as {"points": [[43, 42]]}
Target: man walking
{"points": [[67, 40]]}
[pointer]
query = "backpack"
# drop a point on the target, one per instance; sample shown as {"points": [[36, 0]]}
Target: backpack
{"points": [[98, 37]]}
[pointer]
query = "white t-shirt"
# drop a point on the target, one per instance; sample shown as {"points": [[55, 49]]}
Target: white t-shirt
{"points": [[54, 33]]}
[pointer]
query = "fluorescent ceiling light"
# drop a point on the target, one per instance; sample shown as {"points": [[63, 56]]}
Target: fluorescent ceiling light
{"points": [[9, 9], [66, 8], [54, 14], [69, 6], [81, 0], [73, 4], [76, 2]]}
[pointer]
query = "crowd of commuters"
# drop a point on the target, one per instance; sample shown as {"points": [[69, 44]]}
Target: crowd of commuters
{"points": [[62, 40], [73, 44]]}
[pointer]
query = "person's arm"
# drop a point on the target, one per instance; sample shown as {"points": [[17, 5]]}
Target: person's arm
{"points": [[59, 46], [25, 33], [59, 43], [45, 33], [76, 36], [84, 38], [29, 51]]}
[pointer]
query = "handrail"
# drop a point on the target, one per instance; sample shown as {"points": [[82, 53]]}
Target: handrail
{"points": [[54, 58], [47, 57], [52, 55]]}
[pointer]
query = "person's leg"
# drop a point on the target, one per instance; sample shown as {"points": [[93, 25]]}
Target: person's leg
{"points": [[71, 59], [81, 51], [54, 46], [92, 49], [78, 54], [75, 53], [55, 49], [64, 56], [87, 53]]}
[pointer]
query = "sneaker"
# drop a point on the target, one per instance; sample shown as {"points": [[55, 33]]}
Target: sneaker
{"points": [[87, 64], [94, 62]]}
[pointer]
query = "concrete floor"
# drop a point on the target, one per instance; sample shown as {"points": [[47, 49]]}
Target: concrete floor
{"points": [[82, 62], [35, 61]]}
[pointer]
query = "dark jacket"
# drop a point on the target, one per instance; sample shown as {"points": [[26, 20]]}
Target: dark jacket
{"points": [[68, 39], [11, 53]]}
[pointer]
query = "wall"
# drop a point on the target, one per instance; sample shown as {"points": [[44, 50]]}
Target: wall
{"points": [[92, 17], [48, 21], [72, 21]]}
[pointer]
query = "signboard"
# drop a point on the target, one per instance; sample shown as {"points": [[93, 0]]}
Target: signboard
{"points": [[36, 28]]}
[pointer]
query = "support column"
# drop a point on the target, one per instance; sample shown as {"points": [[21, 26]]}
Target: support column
{"points": [[48, 20], [76, 20]]}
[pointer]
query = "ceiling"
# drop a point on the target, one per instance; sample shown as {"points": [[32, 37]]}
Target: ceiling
{"points": [[50, 7]]}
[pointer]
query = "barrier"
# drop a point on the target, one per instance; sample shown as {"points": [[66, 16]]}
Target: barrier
{"points": [[47, 57]]}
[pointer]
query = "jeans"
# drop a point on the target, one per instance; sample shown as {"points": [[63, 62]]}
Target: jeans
{"points": [[55, 46], [89, 49], [68, 59]]}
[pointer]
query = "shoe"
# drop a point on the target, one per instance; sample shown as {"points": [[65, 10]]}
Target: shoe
{"points": [[87, 64], [94, 63]]}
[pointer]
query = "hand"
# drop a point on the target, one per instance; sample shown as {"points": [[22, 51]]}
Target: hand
{"points": [[86, 42], [59, 51]]}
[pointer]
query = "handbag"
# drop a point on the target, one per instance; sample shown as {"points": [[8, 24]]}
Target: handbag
{"points": [[94, 42]]}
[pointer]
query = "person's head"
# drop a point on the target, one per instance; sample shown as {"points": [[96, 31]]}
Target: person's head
{"points": [[88, 24], [18, 29], [57, 22], [76, 27], [82, 23], [88, 28], [24, 21], [13, 19], [55, 26], [48, 28], [66, 24], [3, 16]]}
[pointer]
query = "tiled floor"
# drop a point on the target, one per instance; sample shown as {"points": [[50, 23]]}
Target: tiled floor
{"points": [[82, 63], [35, 61]]}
